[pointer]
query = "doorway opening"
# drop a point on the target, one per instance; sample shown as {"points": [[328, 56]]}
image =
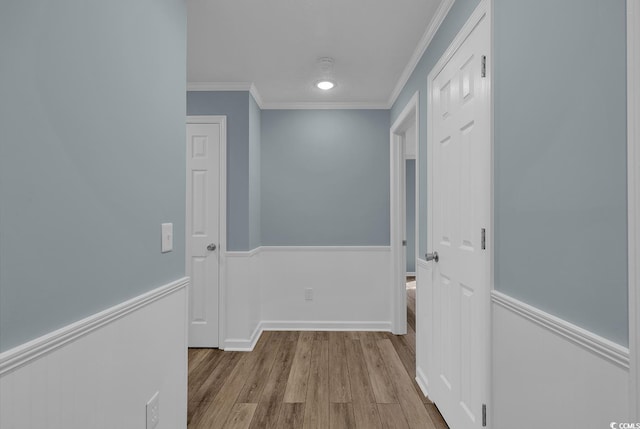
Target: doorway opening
{"points": [[404, 210]]}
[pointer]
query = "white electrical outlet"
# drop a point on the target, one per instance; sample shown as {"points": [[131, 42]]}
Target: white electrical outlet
{"points": [[153, 411], [167, 237], [308, 294]]}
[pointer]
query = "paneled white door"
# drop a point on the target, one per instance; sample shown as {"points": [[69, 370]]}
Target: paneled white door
{"points": [[202, 225], [459, 217]]}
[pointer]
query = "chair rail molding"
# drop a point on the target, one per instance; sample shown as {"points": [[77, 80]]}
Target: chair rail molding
{"points": [[26, 353], [587, 340]]}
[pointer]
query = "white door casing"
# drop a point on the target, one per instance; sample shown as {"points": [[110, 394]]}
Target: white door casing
{"points": [[410, 153], [205, 191], [633, 189], [398, 258], [459, 196], [407, 118]]}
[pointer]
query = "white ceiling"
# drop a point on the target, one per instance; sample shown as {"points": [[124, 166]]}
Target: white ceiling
{"points": [[274, 44]]}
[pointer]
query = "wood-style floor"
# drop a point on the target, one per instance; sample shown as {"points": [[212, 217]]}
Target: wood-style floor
{"points": [[312, 380]]}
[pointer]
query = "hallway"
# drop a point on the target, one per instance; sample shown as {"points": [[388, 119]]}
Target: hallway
{"points": [[312, 380]]}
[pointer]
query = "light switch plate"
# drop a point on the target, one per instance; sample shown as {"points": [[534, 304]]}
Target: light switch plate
{"points": [[167, 237]]}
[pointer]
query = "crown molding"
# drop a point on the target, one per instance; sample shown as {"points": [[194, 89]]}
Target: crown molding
{"points": [[423, 44], [227, 86], [256, 95], [312, 105], [303, 105], [219, 86]]}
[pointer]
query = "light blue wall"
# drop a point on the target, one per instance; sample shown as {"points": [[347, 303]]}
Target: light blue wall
{"points": [[560, 159], [410, 170], [458, 15], [235, 105], [325, 177], [91, 157], [560, 163], [254, 173]]}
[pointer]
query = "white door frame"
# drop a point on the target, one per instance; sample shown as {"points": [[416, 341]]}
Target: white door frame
{"points": [[484, 8], [633, 190], [222, 218], [407, 118]]}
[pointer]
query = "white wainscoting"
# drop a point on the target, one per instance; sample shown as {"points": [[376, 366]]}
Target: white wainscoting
{"points": [[548, 373], [424, 326], [265, 290], [350, 288], [242, 301], [100, 372]]}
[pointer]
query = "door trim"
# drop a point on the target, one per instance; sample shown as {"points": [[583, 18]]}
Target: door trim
{"points": [[633, 190], [222, 219], [484, 9], [407, 117]]}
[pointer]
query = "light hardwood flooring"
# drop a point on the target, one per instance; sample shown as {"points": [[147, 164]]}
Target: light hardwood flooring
{"points": [[324, 380]]}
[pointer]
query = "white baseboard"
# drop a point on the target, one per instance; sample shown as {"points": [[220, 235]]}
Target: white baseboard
{"points": [[247, 345], [243, 345], [422, 381], [301, 325], [554, 373], [101, 371]]}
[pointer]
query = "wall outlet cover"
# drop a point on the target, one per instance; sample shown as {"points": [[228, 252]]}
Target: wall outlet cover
{"points": [[153, 411]]}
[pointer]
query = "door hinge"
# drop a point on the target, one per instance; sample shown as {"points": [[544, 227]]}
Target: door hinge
{"points": [[483, 239], [483, 69], [484, 415]]}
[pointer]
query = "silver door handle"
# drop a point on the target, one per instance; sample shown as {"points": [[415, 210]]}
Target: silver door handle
{"points": [[431, 257], [211, 247]]}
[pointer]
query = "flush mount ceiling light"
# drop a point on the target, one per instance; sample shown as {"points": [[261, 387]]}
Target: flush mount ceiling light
{"points": [[325, 84], [325, 73]]}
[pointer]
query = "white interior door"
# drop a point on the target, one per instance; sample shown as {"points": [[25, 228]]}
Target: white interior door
{"points": [[202, 224], [459, 212]]}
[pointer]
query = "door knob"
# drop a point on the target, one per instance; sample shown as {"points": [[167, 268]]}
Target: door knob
{"points": [[431, 256], [211, 247]]}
